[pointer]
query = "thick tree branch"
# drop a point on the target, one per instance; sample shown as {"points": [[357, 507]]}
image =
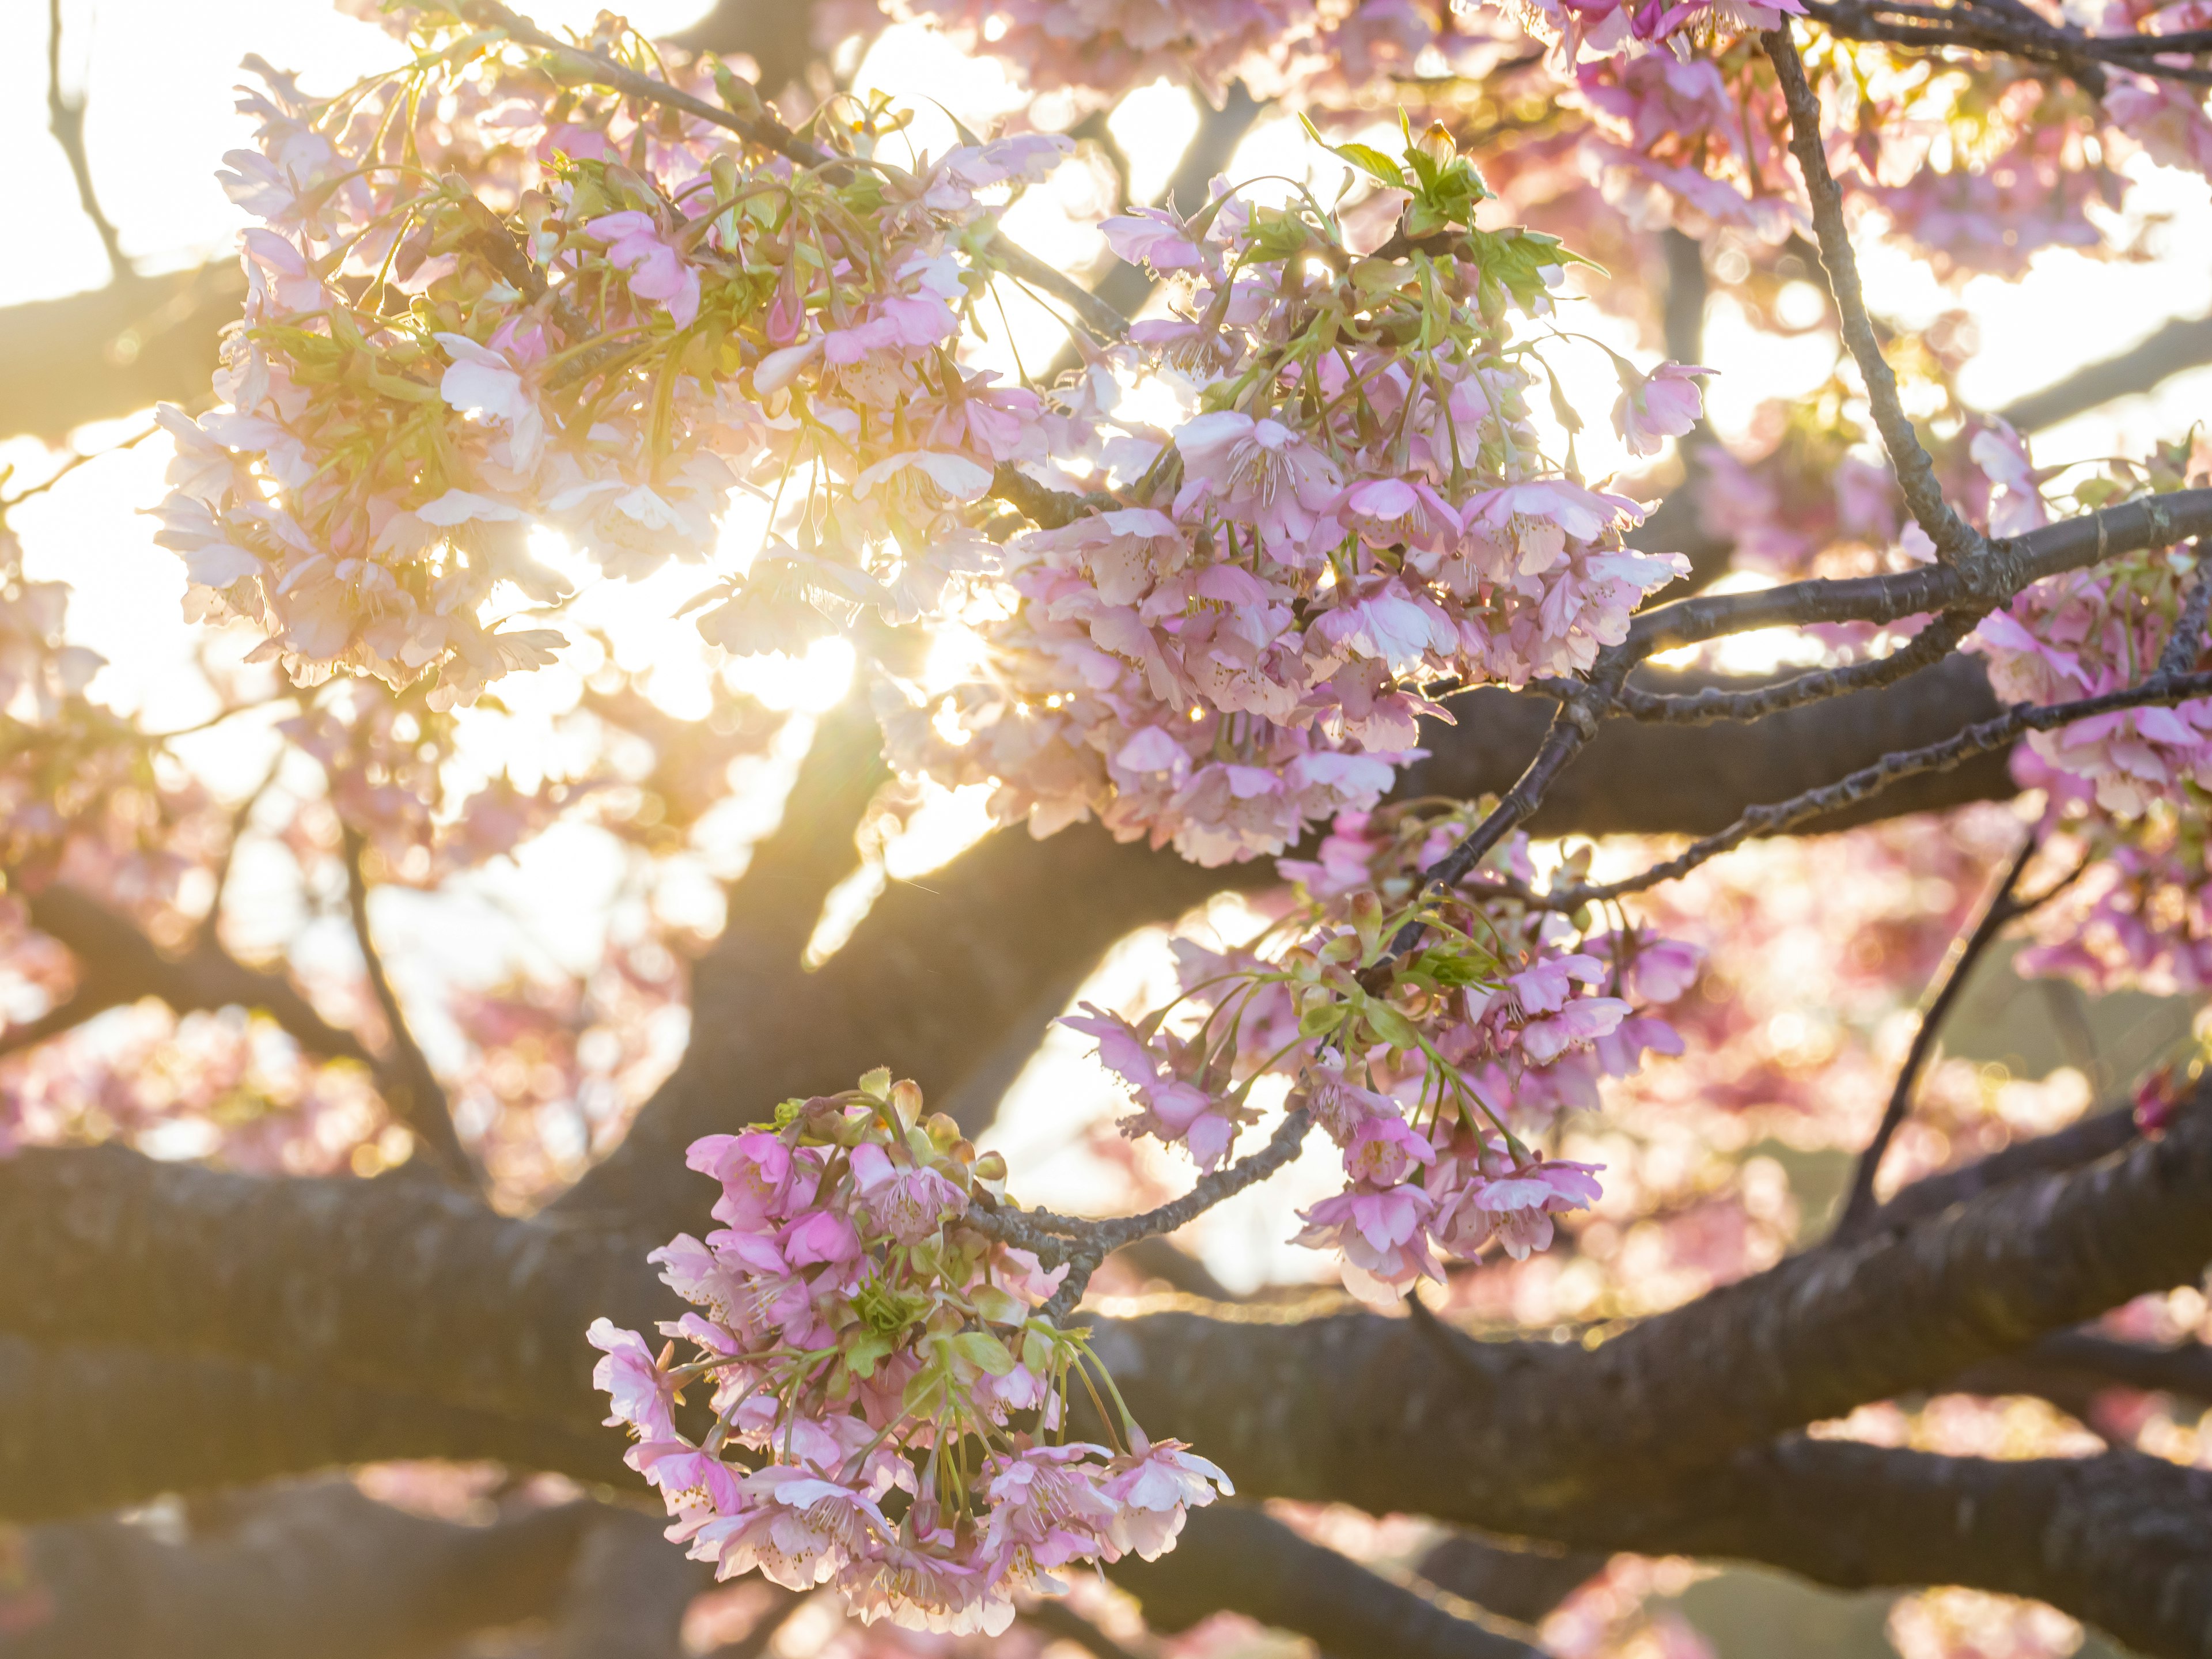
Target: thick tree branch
{"points": [[100, 355], [2070, 1148], [627, 1591], [86, 1427], [2116, 1540], [319, 1570], [1521, 1581], [1243, 1561], [361, 1280]]}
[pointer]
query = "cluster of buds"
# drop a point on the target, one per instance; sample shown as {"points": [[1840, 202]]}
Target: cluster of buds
{"points": [[889, 1409]]}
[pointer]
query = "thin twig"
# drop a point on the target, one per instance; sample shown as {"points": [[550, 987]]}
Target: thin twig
{"points": [[239, 820], [1950, 980], [1931, 644], [1083, 1244], [1916, 474], [66, 120], [1870, 781], [403, 1076]]}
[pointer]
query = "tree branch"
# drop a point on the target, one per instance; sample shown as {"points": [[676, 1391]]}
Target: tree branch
{"points": [[319, 1569], [2003, 569], [86, 1427], [1979, 738], [66, 120], [403, 1076], [1916, 474], [1951, 978], [1234, 1558], [118, 964], [2116, 1540], [2173, 347]]}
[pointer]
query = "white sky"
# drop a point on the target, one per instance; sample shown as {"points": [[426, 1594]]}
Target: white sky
{"points": [[159, 75]]}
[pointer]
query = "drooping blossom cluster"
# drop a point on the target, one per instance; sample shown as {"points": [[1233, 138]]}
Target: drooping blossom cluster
{"points": [[1356, 511], [595, 318], [877, 1403], [1431, 1070]]}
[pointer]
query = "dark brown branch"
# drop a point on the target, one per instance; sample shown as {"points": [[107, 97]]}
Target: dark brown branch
{"points": [[1242, 1560], [627, 1589], [66, 120], [2186, 644], [1916, 474], [118, 964], [403, 1076], [1979, 738], [86, 1427], [1500, 1434], [2070, 1148], [2004, 28], [1930, 645], [1958, 967], [316, 1569], [1521, 1581], [1064, 1624], [362, 1280], [1083, 1244], [2116, 1540], [2001, 570]]}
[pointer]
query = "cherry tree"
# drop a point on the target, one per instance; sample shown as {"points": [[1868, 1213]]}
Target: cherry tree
{"points": [[1274, 607]]}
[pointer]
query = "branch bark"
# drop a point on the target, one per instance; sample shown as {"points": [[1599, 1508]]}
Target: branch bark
{"points": [[87, 1427], [319, 1570], [1241, 1559]]}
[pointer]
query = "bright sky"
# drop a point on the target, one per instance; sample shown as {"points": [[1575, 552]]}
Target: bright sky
{"points": [[159, 73]]}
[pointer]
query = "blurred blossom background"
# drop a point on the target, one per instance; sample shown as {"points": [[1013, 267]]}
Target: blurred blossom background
{"points": [[546, 978]]}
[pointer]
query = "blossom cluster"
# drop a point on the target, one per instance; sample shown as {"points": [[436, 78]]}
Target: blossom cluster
{"points": [[1355, 514], [889, 1407], [1431, 1069], [484, 299], [1353, 511], [2128, 787]]}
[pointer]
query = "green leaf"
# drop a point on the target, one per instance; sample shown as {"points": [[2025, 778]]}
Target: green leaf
{"points": [[861, 1358], [1320, 1019], [985, 1352], [999, 1306]]}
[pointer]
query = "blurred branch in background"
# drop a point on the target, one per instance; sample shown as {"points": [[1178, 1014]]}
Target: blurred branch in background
{"points": [[66, 120]]}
